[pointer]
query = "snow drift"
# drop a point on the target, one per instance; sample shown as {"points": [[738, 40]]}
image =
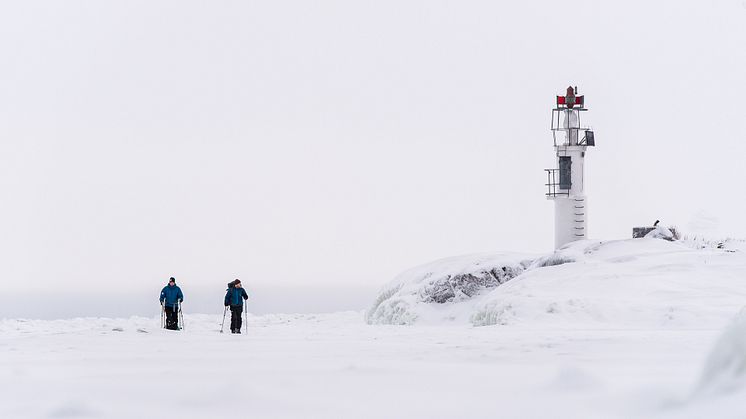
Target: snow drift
{"points": [[640, 283], [725, 368]]}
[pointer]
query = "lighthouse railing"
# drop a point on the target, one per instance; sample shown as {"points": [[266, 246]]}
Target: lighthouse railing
{"points": [[553, 184]]}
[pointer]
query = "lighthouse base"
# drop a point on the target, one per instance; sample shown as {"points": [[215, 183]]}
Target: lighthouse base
{"points": [[569, 219]]}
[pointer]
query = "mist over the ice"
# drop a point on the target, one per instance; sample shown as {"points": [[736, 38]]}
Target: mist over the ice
{"points": [[118, 304], [318, 149]]}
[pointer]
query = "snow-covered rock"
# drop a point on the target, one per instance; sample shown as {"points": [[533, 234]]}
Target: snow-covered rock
{"points": [[445, 283], [638, 283], [660, 232]]}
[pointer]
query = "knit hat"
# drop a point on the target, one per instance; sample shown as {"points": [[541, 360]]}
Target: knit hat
{"points": [[172, 280]]}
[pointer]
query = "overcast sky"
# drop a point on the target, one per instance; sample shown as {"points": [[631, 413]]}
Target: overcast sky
{"points": [[315, 149]]}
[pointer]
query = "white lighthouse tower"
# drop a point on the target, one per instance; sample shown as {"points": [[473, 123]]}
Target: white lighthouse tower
{"points": [[566, 182]]}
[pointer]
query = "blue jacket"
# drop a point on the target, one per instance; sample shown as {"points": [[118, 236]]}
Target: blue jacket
{"points": [[233, 296], [170, 295]]}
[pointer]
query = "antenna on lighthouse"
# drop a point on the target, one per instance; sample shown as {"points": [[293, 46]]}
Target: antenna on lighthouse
{"points": [[565, 182]]}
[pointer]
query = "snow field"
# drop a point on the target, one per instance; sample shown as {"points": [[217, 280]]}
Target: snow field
{"points": [[336, 366]]}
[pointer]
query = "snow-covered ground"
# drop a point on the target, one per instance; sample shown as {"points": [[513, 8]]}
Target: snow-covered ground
{"points": [[628, 329], [322, 366]]}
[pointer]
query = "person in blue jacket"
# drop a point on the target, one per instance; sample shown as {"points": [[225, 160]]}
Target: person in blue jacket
{"points": [[171, 297], [234, 298]]}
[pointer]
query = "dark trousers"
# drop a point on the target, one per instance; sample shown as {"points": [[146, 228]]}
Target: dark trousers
{"points": [[236, 318], [172, 318]]}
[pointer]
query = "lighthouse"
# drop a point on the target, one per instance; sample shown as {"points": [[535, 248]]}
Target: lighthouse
{"points": [[566, 182]]}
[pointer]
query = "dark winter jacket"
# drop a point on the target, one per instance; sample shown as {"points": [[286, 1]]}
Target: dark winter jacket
{"points": [[171, 295], [233, 296]]}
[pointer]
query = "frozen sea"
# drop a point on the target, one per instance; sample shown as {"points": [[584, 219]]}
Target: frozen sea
{"points": [[336, 366], [628, 329]]}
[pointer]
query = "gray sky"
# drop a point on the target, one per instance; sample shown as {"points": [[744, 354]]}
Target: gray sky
{"points": [[319, 148]]}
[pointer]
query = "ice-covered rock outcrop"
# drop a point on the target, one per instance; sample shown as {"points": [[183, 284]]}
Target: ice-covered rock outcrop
{"points": [[640, 283], [442, 283]]}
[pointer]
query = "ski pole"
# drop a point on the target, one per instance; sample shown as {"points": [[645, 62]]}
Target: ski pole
{"points": [[246, 312], [181, 315], [223, 324], [179, 320]]}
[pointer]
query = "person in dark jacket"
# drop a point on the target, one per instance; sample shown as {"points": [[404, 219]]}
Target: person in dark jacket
{"points": [[234, 298], [171, 297]]}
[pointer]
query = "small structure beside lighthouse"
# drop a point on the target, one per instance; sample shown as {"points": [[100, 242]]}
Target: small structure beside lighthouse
{"points": [[566, 182]]}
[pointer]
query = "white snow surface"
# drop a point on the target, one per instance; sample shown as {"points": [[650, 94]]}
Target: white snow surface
{"points": [[336, 366], [640, 328], [640, 283], [725, 367]]}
